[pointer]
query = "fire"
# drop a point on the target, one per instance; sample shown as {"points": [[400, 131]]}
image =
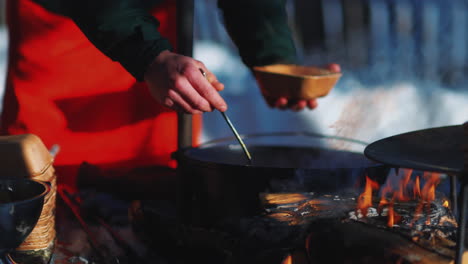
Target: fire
{"points": [[393, 217], [446, 204], [385, 192], [416, 189], [428, 191], [287, 260], [400, 188], [401, 193], [365, 199]]}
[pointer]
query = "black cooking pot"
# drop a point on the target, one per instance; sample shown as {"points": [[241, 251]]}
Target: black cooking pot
{"points": [[219, 183]]}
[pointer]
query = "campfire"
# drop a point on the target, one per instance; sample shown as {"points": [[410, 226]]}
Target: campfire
{"points": [[404, 220], [417, 206], [400, 218]]}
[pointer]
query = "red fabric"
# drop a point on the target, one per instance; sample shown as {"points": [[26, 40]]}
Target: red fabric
{"points": [[63, 89]]}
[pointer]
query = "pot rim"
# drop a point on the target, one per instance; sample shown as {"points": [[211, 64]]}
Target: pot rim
{"points": [[181, 155]]}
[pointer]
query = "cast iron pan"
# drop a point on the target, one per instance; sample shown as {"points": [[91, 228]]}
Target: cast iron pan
{"points": [[281, 157], [283, 150], [223, 184], [325, 161], [435, 149]]}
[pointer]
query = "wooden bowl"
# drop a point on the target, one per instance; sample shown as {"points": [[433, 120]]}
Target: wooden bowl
{"points": [[294, 81]]}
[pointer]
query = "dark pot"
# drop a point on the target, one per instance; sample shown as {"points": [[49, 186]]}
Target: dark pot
{"points": [[219, 183]]}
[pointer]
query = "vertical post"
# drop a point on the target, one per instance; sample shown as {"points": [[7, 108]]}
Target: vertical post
{"points": [[2, 13], [462, 219], [355, 34], [333, 29], [463, 176], [185, 19], [185, 14], [453, 194]]}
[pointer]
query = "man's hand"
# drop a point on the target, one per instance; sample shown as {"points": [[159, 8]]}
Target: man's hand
{"points": [[297, 105], [177, 83]]}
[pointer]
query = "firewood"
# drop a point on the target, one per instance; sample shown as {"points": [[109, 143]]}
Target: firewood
{"points": [[282, 198], [355, 242]]}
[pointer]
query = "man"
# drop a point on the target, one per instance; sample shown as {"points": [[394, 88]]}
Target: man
{"points": [[81, 73]]}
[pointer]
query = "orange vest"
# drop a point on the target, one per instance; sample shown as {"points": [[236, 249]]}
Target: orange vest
{"points": [[63, 89]]}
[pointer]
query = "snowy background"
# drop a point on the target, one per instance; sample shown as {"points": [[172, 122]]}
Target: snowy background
{"points": [[404, 66]]}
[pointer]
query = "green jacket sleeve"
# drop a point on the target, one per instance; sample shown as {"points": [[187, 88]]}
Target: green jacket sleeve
{"points": [[260, 30], [124, 30]]}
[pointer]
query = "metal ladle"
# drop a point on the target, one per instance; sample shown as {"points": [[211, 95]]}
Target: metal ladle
{"points": [[233, 129]]}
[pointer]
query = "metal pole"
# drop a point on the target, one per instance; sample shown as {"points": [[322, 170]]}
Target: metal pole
{"points": [[462, 219], [453, 194], [185, 14], [2, 13]]}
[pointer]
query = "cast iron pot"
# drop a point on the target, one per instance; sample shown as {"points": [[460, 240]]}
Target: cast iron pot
{"points": [[218, 183]]}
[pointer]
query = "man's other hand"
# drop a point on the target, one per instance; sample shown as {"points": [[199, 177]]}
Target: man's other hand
{"points": [[177, 82]]}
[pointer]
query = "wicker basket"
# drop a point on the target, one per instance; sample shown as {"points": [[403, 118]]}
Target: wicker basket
{"points": [[26, 156]]}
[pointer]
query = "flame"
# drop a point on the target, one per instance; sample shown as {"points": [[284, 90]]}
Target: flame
{"points": [[287, 260], [401, 188], [365, 199], [416, 189], [393, 217], [401, 192], [386, 190], [446, 204], [428, 191]]}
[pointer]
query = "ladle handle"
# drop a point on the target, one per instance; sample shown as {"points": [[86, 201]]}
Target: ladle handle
{"points": [[241, 142], [233, 129]]}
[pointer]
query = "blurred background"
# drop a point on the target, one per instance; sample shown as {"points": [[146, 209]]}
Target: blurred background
{"points": [[404, 65]]}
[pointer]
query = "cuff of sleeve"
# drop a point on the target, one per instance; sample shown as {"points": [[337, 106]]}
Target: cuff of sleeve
{"points": [[145, 55], [140, 45]]}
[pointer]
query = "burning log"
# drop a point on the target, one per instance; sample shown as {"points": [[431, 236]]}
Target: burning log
{"points": [[418, 236], [283, 198], [355, 242], [404, 221]]}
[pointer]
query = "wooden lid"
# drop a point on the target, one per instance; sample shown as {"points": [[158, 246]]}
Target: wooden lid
{"points": [[23, 156]]}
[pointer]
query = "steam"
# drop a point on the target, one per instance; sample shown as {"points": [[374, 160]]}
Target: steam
{"points": [[370, 114]]}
